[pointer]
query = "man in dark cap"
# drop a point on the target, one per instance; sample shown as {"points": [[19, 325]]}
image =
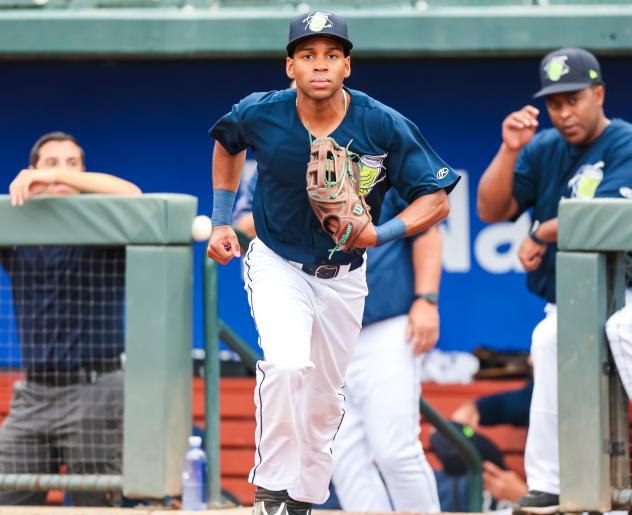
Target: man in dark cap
{"points": [[307, 299], [585, 155]]}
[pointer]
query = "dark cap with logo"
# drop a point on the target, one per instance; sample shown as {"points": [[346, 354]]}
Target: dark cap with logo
{"points": [[318, 23], [568, 69]]}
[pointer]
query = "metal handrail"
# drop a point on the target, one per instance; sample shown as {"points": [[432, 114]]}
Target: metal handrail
{"points": [[469, 453], [211, 382], [67, 482]]}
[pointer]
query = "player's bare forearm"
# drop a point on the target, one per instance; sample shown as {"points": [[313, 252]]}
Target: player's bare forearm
{"points": [[226, 168], [427, 252], [495, 190], [94, 182], [421, 214], [423, 316], [32, 182], [495, 200], [548, 230], [223, 244], [425, 212]]}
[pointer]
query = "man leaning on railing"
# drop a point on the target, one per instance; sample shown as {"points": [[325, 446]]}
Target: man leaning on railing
{"points": [[68, 304]]}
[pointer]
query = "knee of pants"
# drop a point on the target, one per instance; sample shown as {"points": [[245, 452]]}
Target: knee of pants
{"points": [[284, 369], [278, 385], [323, 415], [395, 457], [544, 340]]}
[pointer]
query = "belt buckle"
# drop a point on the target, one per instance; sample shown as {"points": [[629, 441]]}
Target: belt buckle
{"points": [[326, 271]]}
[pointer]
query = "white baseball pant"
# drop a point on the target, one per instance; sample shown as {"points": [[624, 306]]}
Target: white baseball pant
{"points": [[542, 463], [619, 331], [379, 463], [307, 328]]}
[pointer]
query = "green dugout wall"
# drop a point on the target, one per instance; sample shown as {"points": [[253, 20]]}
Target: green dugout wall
{"points": [[156, 232], [593, 408], [246, 28]]}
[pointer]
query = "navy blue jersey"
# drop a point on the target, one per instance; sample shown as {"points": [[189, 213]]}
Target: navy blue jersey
{"points": [[390, 274], [68, 304], [392, 152], [549, 169], [389, 269]]}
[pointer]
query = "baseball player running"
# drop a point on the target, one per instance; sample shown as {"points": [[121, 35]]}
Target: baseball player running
{"points": [[306, 296], [378, 462], [585, 155]]}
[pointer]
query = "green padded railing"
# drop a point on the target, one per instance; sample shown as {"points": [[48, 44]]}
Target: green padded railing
{"points": [[593, 408], [156, 233]]}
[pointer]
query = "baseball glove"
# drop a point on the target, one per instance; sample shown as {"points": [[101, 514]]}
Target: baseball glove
{"points": [[333, 179]]}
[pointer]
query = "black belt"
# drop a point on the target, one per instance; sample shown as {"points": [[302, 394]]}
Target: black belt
{"points": [[326, 271], [70, 377]]}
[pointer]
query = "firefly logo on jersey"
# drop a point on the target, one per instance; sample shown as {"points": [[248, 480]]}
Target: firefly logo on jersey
{"points": [[586, 181], [371, 168]]}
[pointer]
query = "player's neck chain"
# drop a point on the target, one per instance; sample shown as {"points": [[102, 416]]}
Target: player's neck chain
{"points": [[306, 123]]}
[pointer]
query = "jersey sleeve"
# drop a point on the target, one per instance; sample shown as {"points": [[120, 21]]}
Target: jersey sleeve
{"points": [[525, 184], [230, 131], [413, 167]]}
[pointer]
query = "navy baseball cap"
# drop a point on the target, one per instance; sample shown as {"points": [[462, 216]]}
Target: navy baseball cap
{"points": [[568, 69], [318, 23]]}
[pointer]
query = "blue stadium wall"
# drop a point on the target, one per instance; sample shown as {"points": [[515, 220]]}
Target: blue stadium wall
{"points": [[148, 122]]}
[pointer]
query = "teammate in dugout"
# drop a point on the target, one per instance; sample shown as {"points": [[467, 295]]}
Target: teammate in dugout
{"points": [[584, 155], [307, 302]]}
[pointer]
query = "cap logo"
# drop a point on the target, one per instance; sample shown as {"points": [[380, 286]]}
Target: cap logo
{"points": [[317, 21], [592, 74], [556, 67]]}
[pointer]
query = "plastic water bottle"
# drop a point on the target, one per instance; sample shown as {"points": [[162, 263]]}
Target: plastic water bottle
{"points": [[194, 476]]}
